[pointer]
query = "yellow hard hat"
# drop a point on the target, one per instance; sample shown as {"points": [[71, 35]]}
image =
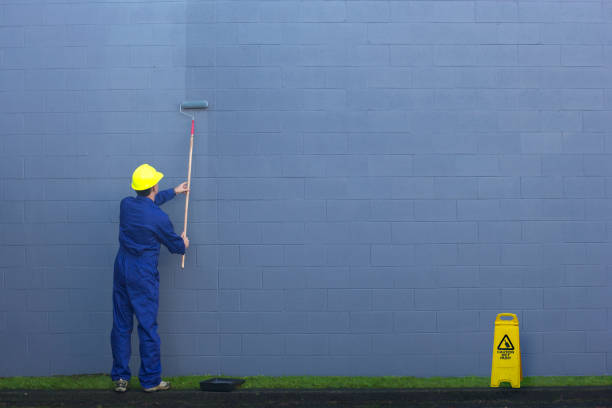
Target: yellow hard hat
{"points": [[145, 176]]}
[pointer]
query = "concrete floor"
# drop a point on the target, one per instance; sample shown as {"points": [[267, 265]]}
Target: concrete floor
{"points": [[575, 397]]}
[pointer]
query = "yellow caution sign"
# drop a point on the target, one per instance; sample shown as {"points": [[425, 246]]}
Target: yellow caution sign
{"points": [[506, 365]]}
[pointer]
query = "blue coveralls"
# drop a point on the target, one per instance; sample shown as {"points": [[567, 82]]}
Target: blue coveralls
{"points": [[143, 227]]}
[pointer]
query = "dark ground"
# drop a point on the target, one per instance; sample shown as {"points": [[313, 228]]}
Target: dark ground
{"points": [[575, 397]]}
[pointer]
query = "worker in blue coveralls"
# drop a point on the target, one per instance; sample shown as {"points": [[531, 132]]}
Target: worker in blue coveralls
{"points": [[143, 227]]}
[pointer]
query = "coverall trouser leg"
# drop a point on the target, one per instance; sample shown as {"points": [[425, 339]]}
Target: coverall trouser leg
{"points": [[123, 323], [145, 305]]}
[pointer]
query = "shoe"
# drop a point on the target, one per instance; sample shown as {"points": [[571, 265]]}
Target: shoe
{"points": [[121, 385], [162, 386]]}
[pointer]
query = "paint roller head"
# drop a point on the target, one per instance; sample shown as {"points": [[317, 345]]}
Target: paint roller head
{"points": [[193, 105]]}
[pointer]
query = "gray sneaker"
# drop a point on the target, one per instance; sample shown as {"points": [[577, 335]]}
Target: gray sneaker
{"points": [[162, 386], [121, 385]]}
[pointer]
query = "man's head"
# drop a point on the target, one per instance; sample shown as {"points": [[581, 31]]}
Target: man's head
{"points": [[148, 191], [145, 179]]}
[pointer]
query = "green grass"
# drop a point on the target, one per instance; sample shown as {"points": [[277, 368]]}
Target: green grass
{"points": [[101, 381]]}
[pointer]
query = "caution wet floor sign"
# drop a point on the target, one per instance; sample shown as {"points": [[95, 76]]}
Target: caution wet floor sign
{"points": [[506, 365]]}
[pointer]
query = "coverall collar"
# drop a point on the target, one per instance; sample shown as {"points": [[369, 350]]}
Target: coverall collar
{"points": [[145, 198]]}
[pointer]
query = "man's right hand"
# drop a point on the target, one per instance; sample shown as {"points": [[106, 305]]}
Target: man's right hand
{"points": [[185, 240]]}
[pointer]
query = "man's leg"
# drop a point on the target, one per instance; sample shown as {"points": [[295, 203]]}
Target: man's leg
{"points": [[123, 322], [145, 301]]}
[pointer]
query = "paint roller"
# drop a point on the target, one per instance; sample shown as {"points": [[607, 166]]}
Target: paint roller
{"points": [[189, 108]]}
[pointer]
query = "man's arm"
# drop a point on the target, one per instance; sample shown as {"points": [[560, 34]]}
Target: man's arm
{"points": [[170, 193], [167, 236], [164, 196]]}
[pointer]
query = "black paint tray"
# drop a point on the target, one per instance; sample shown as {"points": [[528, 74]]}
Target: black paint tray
{"points": [[221, 384]]}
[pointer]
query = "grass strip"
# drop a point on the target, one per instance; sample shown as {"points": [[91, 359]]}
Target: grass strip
{"points": [[102, 381]]}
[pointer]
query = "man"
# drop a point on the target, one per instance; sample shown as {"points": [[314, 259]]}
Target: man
{"points": [[143, 227]]}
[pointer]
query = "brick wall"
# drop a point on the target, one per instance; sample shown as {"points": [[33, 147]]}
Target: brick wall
{"points": [[373, 182]]}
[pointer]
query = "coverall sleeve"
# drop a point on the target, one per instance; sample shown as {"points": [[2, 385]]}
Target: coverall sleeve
{"points": [[164, 196], [167, 236]]}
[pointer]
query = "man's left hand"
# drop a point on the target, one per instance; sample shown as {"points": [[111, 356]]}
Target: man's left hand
{"points": [[181, 188]]}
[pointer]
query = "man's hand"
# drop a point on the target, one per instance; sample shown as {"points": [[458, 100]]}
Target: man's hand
{"points": [[181, 188], [185, 240]]}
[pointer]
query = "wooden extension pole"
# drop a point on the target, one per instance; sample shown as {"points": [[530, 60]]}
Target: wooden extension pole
{"points": [[188, 186]]}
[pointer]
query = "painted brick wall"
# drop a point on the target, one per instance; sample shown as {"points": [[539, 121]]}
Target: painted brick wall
{"points": [[374, 181]]}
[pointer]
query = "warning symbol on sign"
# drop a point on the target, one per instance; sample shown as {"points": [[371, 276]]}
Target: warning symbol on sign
{"points": [[505, 344]]}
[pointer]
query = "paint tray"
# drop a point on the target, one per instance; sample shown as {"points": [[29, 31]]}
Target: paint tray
{"points": [[221, 384]]}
